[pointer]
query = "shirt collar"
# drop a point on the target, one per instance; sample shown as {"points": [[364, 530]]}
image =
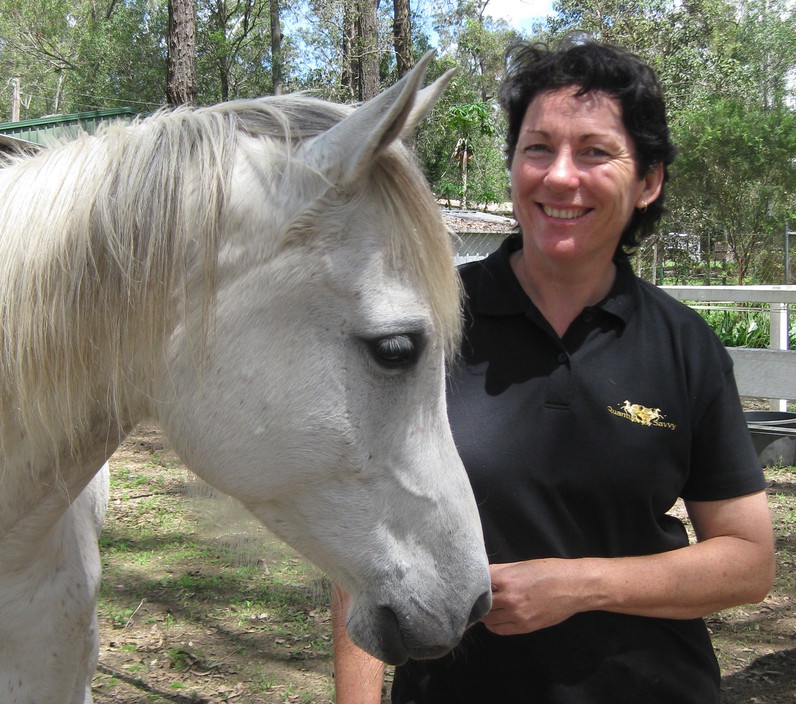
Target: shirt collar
{"points": [[500, 293]]}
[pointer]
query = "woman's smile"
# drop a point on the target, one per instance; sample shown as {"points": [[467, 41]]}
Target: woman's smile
{"points": [[563, 213]]}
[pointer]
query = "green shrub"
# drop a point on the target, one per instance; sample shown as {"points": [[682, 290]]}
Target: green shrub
{"points": [[740, 328], [745, 328]]}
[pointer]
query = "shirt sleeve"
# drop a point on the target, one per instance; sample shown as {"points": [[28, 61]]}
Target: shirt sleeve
{"points": [[724, 463]]}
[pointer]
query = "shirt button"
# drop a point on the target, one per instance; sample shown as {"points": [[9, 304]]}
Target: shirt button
{"points": [[562, 357]]}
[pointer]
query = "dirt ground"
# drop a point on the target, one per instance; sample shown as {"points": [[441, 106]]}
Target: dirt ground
{"points": [[188, 616]]}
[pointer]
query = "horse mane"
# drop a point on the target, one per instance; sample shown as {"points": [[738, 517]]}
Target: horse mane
{"points": [[93, 235]]}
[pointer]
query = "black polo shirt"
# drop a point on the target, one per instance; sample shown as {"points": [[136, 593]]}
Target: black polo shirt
{"points": [[578, 447]]}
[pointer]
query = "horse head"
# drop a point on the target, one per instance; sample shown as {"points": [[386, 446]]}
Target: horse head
{"points": [[318, 397]]}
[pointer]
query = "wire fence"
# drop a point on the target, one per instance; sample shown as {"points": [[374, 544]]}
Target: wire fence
{"points": [[471, 246], [680, 259]]}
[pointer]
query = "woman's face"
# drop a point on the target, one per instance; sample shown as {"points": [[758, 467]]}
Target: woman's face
{"points": [[574, 179]]}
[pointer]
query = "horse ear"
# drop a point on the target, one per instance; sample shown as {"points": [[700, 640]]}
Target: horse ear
{"points": [[345, 152], [424, 101]]}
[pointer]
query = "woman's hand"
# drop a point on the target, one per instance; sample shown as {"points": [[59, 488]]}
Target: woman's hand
{"points": [[528, 596], [732, 563]]}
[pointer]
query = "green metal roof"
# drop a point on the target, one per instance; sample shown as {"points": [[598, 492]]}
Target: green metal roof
{"points": [[58, 128], [15, 144]]}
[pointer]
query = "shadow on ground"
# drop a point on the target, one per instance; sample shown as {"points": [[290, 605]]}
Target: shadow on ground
{"points": [[770, 679]]}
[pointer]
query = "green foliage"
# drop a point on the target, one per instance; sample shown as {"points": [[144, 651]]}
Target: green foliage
{"points": [[457, 128], [471, 118], [633, 24], [233, 50], [737, 328], [743, 328], [76, 56], [467, 117], [735, 166]]}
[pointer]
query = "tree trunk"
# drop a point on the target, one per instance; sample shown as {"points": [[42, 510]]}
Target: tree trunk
{"points": [[402, 37], [349, 74], [465, 160], [369, 42], [181, 80], [57, 100], [277, 66], [15, 99], [360, 75]]}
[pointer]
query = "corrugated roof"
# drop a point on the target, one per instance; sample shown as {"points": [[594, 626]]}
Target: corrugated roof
{"points": [[13, 144], [57, 128]]}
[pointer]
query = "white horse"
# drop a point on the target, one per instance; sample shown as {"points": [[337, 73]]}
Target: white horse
{"points": [[270, 281]]}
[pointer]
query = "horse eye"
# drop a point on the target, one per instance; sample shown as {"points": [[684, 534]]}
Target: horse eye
{"points": [[395, 351]]}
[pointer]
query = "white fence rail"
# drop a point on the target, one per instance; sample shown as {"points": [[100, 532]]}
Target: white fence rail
{"points": [[767, 373]]}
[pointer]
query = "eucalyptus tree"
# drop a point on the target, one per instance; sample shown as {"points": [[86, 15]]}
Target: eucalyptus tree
{"points": [[75, 55], [233, 38], [277, 54], [181, 60], [766, 45], [360, 49], [402, 36], [736, 164], [733, 119], [345, 47], [634, 24]]}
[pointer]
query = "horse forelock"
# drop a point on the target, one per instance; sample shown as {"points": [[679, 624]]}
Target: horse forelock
{"points": [[419, 241]]}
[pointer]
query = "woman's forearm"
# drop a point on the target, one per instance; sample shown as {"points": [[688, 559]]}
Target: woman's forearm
{"points": [[733, 563], [688, 583], [358, 676]]}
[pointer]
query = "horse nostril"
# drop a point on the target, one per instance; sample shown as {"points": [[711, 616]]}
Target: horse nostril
{"points": [[394, 650], [480, 609]]}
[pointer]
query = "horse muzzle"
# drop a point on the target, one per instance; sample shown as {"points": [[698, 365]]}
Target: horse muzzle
{"points": [[395, 636]]}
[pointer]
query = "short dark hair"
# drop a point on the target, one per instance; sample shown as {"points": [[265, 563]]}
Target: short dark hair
{"points": [[590, 66]]}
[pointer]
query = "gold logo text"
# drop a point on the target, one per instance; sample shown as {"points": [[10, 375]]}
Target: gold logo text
{"points": [[637, 413]]}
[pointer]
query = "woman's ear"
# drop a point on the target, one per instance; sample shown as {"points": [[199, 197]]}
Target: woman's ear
{"points": [[652, 184]]}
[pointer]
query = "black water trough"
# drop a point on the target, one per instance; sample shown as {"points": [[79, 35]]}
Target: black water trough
{"points": [[774, 436]]}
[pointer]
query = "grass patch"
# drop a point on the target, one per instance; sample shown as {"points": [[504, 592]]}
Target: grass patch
{"points": [[194, 609]]}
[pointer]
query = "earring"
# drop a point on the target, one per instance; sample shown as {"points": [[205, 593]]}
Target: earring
{"points": [[643, 208]]}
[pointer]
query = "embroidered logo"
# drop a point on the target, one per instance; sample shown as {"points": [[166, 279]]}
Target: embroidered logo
{"points": [[637, 413]]}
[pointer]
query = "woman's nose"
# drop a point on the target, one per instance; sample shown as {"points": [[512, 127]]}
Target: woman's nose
{"points": [[562, 173]]}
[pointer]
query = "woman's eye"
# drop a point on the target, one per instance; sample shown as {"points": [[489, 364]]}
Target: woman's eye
{"points": [[395, 351], [596, 153]]}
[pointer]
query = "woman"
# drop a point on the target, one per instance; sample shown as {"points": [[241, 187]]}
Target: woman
{"points": [[585, 404]]}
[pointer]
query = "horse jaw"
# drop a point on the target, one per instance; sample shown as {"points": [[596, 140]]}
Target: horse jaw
{"points": [[345, 153], [371, 538]]}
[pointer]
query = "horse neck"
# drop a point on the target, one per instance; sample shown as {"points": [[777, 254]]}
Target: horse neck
{"points": [[84, 320]]}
